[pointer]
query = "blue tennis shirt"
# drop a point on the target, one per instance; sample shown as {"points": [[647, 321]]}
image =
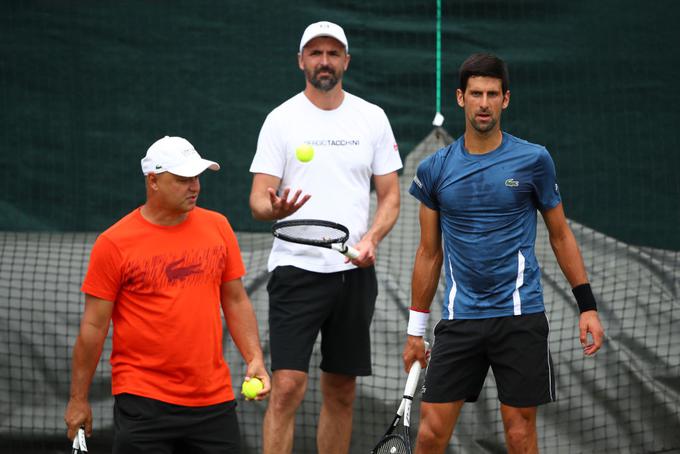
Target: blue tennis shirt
{"points": [[487, 212]]}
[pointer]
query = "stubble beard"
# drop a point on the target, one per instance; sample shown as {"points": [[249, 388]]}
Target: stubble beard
{"points": [[483, 128], [324, 84]]}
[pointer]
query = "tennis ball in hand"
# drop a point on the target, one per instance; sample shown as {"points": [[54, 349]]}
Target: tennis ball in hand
{"points": [[251, 387], [304, 153]]}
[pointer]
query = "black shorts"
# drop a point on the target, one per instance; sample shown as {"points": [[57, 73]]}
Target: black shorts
{"points": [[515, 347], [147, 425], [339, 305]]}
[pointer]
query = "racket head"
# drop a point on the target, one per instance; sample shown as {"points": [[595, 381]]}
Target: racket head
{"points": [[396, 442], [314, 232]]}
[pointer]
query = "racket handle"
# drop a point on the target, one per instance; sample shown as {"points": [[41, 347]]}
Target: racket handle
{"points": [[351, 252], [412, 380], [413, 376], [347, 251], [79, 444]]}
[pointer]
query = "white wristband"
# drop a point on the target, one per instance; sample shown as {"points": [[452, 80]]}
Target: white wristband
{"points": [[417, 322]]}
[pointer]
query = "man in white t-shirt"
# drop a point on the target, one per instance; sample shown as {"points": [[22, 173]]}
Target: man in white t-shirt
{"points": [[313, 289]]}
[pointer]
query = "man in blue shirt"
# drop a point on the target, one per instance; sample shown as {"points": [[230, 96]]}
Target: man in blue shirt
{"points": [[479, 197]]}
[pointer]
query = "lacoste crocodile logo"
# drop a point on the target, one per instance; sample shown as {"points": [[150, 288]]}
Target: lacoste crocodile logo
{"points": [[178, 273], [511, 183]]}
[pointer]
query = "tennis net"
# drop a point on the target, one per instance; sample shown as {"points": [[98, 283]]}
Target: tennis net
{"points": [[623, 400]]}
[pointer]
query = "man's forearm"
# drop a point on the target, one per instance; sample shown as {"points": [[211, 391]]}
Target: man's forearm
{"points": [[261, 207], [383, 221], [242, 325], [569, 258], [387, 212], [426, 271], [86, 354]]}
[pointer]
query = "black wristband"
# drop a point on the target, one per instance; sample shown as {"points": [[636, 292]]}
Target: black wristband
{"points": [[584, 298]]}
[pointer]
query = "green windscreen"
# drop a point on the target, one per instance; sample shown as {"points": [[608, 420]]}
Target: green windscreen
{"points": [[87, 87]]}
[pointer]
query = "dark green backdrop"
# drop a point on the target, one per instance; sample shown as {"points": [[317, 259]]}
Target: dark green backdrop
{"points": [[86, 87]]}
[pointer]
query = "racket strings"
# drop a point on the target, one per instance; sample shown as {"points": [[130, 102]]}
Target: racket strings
{"points": [[314, 233], [394, 443]]}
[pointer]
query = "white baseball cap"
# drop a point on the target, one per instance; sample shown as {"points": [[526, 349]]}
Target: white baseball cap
{"points": [[177, 156], [323, 28]]}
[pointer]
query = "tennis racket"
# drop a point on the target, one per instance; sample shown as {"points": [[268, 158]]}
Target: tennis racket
{"points": [[79, 445], [315, 232], [397, 439]]}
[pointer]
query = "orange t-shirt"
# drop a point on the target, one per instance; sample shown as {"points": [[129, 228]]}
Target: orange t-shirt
{"points": [[164, 282]]}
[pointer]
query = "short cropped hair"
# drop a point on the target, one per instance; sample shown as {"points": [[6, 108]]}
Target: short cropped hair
{"points": [[487, 65]]}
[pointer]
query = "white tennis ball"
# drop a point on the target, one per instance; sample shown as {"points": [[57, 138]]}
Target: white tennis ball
{"points": [[304, 153], [251, 387], [393, 450]]}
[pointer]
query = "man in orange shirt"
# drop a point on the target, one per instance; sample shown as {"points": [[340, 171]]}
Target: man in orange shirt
{"points": [[161, 274]]}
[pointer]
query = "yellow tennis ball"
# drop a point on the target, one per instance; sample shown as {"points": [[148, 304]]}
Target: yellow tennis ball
{"points": [[304, 153], [251, 387]]}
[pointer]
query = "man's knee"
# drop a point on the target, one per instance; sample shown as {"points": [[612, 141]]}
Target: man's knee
{"points": [[521, 437], [520, 430], [431, 439], [519, 434], [288, 390], [338, 390], [436, 425]]}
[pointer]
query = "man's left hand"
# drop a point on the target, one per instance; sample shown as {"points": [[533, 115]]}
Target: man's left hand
{"points": [[589, 323]]}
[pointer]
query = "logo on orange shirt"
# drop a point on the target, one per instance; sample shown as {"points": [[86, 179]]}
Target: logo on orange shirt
{"points": [[174, 272]]}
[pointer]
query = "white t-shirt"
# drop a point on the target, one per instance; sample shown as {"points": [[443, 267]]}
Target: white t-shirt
{"points": [[351, 143]]}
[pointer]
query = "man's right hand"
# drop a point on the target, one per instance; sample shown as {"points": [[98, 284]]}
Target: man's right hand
{"points": [[78, 413], [281, 206], [414, 350]]}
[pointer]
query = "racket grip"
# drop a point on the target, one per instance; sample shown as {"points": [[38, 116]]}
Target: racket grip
{"points": [[413, 376], [351, 252], [412, 381], [79, 444], [347, 251]]}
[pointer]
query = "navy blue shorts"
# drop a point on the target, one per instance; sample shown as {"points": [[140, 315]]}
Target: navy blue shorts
{"points": [[145, 425], [338, 305], [515, 347]]}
